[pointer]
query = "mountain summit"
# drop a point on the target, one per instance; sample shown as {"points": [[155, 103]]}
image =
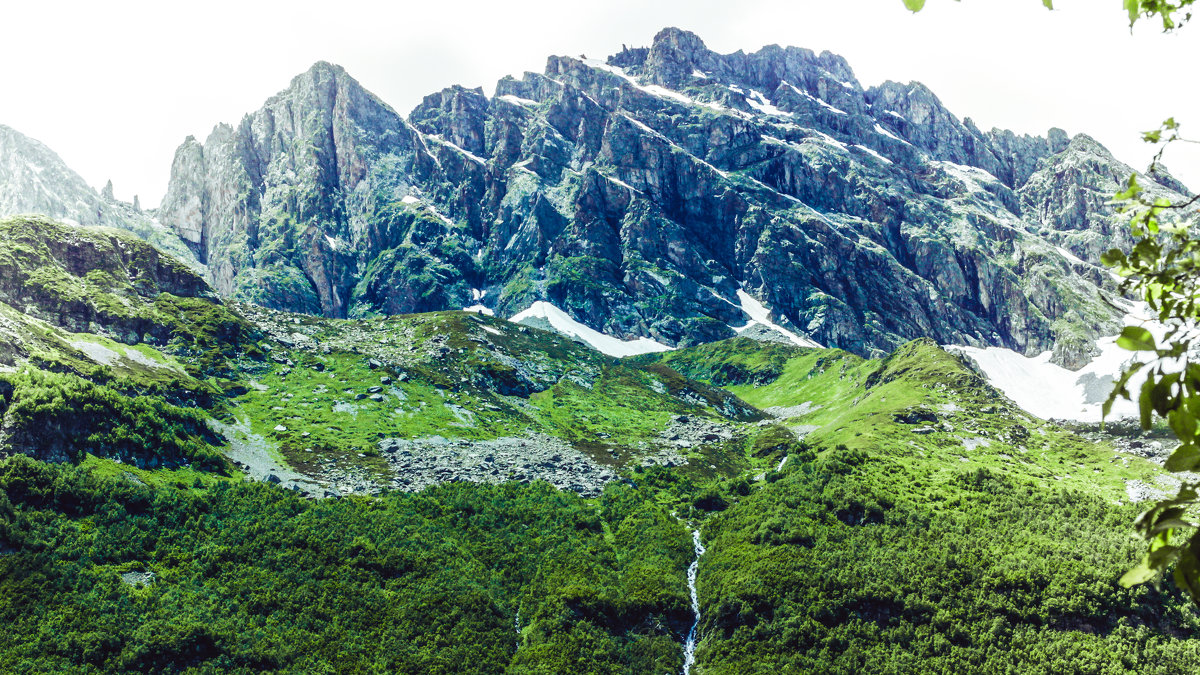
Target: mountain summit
{"points": [[666, 192]]}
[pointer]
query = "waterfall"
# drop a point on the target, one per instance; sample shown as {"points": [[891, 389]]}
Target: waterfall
{"points": [[781, 463], [689, 647]]}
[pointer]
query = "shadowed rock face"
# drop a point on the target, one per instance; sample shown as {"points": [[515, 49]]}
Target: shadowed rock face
{"points": [[641, 193]]}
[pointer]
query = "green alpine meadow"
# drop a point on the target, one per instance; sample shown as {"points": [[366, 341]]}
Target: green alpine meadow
{"points": [[670, 361]]}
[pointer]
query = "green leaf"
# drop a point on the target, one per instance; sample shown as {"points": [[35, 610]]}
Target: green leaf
{"points": [[1132, 7], [1187, 573], [1139, 575], [1162, 396], [1048, 3], [914, 5], [1113, 257], [1185, 458], [1146, 405], [1183, 423], [1136, 339]]}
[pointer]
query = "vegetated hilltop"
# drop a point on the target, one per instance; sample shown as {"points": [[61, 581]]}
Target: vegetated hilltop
{"points": [[109, 347], [930, 525], [905, 531], [326, 406]]}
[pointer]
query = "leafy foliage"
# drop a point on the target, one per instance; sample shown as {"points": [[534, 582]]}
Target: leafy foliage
{"points": [[249, 578], [1172, 14], [1164, 269], [842, 567]]}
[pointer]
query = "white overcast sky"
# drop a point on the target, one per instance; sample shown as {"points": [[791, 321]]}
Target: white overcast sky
{"points": [[114, 87]]}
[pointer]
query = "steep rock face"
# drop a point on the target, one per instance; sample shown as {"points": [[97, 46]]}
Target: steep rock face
{"points": [[647, 194], [35, 180], [1068, 198], [273, 204]]}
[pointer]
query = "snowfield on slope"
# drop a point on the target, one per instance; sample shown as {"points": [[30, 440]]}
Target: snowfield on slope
{"points": [[1050, 391], [563, 323]]}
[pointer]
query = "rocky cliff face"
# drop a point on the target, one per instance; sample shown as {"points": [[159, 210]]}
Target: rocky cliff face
{"points": [[648, 194], [274, 204], [35, 180]]}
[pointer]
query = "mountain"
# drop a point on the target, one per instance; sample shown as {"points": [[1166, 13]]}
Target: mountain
{"points": [[35, 180], [630, 453], [648, 194]]}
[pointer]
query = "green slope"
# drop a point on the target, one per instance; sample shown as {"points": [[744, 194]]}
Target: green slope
{"points": [[884, 515], [932, 527]]}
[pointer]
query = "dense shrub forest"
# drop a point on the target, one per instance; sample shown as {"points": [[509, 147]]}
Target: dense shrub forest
{"points": [[829, 566], [463, 578]]}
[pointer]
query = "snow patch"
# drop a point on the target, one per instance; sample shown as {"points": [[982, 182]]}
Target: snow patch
{"points": [[969, 176], [831, 140], [563, 323], [758, 313], [761, 104], [479, 309], [1050, 391], [871, 152], [663, 92], [517, 100]]}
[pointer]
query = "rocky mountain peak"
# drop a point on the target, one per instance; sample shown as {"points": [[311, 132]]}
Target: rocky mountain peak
{"points": [[457, 113], [35, 180], [674, 55], [667, 192]]}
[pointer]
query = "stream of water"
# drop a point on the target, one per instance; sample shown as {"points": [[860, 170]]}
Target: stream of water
{"points": [[689, 647]]}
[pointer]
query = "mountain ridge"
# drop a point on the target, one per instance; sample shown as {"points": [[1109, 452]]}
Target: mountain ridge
{"points": [[861, 218], [641, 210]]}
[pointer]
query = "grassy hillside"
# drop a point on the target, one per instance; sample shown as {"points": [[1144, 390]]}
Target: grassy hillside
{"points": [[861, 515], [930, 527]]}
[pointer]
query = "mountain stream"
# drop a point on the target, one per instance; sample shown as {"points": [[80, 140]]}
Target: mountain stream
{"points": [[689, 647]]}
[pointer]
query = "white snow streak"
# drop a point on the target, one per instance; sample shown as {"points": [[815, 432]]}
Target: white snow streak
{"points": [[758, 313], [875, 154], [563, 323], [809, 96], [880, 130]]}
